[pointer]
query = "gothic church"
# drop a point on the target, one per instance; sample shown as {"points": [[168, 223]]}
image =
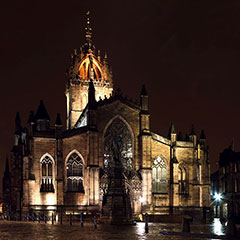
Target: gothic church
{"points": [[57, 170]]}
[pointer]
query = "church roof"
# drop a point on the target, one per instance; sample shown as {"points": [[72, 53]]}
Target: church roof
{"points": [[117, 96], [42, 112]]}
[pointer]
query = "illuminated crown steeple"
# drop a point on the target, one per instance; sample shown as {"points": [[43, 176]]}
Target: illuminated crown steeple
{"points": [[85, 65], [88, 35]]}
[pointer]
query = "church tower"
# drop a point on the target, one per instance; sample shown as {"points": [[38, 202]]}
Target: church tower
{"points": [[85, 65]]}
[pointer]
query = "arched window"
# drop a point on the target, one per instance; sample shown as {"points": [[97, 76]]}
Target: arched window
{"points": [[182, 181], [159, 175], [47, 175], [74, 173], [119, 134]]}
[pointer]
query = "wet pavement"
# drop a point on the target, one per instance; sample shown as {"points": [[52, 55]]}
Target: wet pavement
{"points": [[30, 230]]}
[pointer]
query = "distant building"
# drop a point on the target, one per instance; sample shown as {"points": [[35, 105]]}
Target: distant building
{"points": [[229, 183], [69, 170]]}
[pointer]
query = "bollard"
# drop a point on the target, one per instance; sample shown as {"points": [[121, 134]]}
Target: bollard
{"points": [[185, 225], [28, 218], [70, 219], [61, 218], [146, 223], [33, 218], [39, 218], [44, 218], [95, 221], [52, 218], [81, 220]]}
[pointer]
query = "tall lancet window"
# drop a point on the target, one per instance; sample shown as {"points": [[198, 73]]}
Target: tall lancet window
{"points": [[118, 143], [74, 173], [182, 181], [159, 175], [47, 175]]}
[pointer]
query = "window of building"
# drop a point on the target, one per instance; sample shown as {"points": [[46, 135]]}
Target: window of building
{"points": [[235, 167], [47, 175], [224, 186], [74, 173], [182, 181], [235, 185], [159, 176], [118, 143]]}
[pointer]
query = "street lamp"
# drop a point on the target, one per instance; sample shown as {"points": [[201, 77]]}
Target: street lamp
{"points": [[217, 198]]}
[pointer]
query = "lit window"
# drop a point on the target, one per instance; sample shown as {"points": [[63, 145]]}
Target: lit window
{"points": [[47, 175], [236, 185], [159, 176], [182, 181], [74, 173], [235, 167]]}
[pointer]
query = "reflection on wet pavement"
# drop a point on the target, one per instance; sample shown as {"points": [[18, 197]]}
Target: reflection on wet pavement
{"points": [[27, 231]]}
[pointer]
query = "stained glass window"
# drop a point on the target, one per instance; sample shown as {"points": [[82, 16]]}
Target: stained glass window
{"points": [[119, 133], [47, 179], [74, 173], [182, 181], [159, 175]]}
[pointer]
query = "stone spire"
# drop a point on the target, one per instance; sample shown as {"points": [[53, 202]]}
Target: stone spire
{"points": [[42, 118], [202, 139], [18, 126], [91, 68], [144, 113], [192, 136], [88, 35], [172, 128], [144, 100], [192, 131], [202, 135], [31, 118], [58, 122], [42, 112], [18, 129], [144, 90], [172, 133]]}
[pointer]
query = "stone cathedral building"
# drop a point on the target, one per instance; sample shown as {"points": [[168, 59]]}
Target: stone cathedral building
{"points": [[59, 170]]}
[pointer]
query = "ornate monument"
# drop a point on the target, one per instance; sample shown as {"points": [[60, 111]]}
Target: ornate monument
{"points": [[116, 204]]}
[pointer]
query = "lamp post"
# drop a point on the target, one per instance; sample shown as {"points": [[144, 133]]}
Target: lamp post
{"points": [[217, 199]]}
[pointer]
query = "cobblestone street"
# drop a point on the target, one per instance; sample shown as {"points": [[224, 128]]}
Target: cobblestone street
{"points": [[29, 230]]}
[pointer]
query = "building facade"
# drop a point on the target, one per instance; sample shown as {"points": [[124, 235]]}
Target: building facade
{"points": [[68, 170], [229, 184]]}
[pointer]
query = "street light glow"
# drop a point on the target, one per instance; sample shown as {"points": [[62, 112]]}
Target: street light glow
{"points": [[217, 196]]}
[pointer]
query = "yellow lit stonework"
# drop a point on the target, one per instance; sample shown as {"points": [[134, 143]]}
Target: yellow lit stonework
{"points": [[67, 170]]}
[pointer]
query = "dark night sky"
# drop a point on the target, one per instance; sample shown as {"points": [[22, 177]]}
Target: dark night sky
{"points": [[186, 52]]}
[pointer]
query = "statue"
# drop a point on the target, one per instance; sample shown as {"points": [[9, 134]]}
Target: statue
{"points": [[115, 147]]}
